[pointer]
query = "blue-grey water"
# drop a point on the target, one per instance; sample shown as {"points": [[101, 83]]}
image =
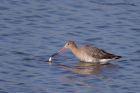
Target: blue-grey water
{"points": [[32, 30]]}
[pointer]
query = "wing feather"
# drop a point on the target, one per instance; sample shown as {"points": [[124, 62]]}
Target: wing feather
{"points": [[97, 53]]}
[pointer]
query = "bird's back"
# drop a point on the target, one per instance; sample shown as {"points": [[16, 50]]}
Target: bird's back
{"points": [[97, 53]]}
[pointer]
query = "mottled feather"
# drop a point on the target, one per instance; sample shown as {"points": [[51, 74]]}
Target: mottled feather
{"points": [[97, 53]]}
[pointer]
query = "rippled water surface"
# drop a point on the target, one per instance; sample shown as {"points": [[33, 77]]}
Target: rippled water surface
{"points": [[32, 30]]}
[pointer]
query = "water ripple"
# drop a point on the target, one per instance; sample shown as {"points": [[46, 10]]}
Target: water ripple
{"points": [[31, 31]]}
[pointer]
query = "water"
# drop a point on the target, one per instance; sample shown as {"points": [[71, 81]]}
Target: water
{"points": [[32, 30]]}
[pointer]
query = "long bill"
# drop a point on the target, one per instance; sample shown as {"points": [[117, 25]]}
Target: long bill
{"points": [[61, 50]]}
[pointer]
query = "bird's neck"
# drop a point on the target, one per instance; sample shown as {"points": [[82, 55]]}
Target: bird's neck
{"points": [[75, 51]]}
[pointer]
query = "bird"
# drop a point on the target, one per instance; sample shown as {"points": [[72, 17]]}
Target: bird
{"points": [[90, 53]]}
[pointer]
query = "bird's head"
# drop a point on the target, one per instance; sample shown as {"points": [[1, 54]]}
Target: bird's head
{"points": [[70, 45]]}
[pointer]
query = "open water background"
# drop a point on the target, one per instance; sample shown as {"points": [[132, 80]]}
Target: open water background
{"points": [[32, 30]]}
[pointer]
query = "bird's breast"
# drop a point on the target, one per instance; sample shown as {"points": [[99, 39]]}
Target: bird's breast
{"points": [[85, 57]]}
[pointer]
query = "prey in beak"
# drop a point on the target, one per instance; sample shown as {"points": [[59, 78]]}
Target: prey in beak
{"points": [[55, 54]]}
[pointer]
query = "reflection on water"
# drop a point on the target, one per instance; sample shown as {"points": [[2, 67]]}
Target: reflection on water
{"points": [[87, 68], [85, 72]]}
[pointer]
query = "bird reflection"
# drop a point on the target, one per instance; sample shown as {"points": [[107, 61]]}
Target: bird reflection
{"points": [[87, 68]]}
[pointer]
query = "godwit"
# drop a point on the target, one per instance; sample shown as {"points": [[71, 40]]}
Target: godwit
{"points": [[90, 53]]}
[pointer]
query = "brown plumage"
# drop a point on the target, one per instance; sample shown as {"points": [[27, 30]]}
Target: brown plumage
{"points": [[90, 53], [98, 53]]}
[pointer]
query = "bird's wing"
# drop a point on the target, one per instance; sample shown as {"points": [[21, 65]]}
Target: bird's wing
{"points": [[96, 52]]}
